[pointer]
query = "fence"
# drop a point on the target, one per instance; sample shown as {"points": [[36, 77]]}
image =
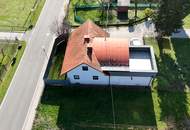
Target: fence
{"points": [[51, 82], [118, 24], [80, 20], [113, 6]]}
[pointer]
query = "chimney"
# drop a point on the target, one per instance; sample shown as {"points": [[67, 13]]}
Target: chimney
{"points": [[86, 39]]}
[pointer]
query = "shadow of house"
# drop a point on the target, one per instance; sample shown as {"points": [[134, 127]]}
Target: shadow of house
{"points": [[91, 108]]}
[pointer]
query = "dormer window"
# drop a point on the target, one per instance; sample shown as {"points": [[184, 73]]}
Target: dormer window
{"points": [[86, 39], [85, 68]]}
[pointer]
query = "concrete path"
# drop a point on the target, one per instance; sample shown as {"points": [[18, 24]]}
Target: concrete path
{"points": [[11, 36], [138, 31], [141, 30], [17, 110], [182, 33]]}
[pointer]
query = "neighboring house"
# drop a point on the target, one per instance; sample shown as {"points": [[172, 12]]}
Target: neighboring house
{"points": [[92, 57]]}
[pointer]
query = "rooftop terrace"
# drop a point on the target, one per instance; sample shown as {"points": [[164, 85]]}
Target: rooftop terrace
{"points": [[141, 60]]}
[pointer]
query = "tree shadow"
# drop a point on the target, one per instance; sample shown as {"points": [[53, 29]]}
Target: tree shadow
{"points": [[182, 47], [171, 90], [186, 7], [91, 108]]}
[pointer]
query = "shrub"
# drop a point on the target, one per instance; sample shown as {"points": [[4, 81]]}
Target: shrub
{"points": [[148, 12], [131, 22]]}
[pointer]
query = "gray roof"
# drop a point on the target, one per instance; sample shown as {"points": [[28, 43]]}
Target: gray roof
{"points": [[123, 2]]}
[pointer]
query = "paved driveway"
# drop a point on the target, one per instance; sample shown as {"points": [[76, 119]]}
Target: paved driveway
{"points": [[138, 31]]}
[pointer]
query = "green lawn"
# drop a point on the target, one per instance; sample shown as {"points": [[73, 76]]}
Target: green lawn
{"points": [[173, 63], [90, 108], [57, 60], [167, 105], [186, 21], [174, 75], [18, 14], [10, 50]]}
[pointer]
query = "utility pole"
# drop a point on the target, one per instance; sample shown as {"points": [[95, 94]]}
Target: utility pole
{"points": [[44, 50]]}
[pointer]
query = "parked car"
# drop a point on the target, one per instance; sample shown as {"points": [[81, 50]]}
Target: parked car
{"points": [[135, 42]]}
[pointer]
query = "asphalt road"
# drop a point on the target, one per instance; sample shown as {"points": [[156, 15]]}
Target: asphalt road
{"points": [[17, 104]]}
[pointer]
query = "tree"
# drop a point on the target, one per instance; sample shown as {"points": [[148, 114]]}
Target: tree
{"points": [[61, 29], [136, 4], [169, 17], [104, 7], [150, 2]]}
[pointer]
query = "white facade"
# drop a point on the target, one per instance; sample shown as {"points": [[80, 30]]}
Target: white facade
{"points": [[78, 75], [86, 77], [130, 80]]}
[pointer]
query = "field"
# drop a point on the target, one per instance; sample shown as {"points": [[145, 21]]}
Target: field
{"points": [[17, 15], [166, 105], [7, 67]]}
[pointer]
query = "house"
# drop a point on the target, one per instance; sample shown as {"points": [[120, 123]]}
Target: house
{"points": [[92, 57]]}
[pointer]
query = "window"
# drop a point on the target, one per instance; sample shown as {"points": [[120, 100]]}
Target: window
{"points": [[85, 68], [131, 78], [76, 77], [95, 77]]}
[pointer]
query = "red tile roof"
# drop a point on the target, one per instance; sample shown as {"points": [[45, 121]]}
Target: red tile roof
{"points": [[76, 51], [87, 45]]}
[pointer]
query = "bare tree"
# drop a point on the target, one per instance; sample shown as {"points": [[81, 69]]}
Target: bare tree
{"points": [[62, 28]]}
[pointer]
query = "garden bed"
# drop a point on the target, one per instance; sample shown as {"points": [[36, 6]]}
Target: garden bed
{"points": [[10, 57]]}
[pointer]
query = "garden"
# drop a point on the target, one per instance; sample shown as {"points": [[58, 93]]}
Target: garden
{"points": [[166, 105], [19, 15], [10, 55], [80, 11]]}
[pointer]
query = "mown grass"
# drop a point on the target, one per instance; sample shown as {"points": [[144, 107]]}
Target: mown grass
{"points": [[167, 105], [172, 107], [81, 108], [17, 15], [6, 80]]}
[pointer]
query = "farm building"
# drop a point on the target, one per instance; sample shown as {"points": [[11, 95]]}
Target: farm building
{"points": [[92, 57]]}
